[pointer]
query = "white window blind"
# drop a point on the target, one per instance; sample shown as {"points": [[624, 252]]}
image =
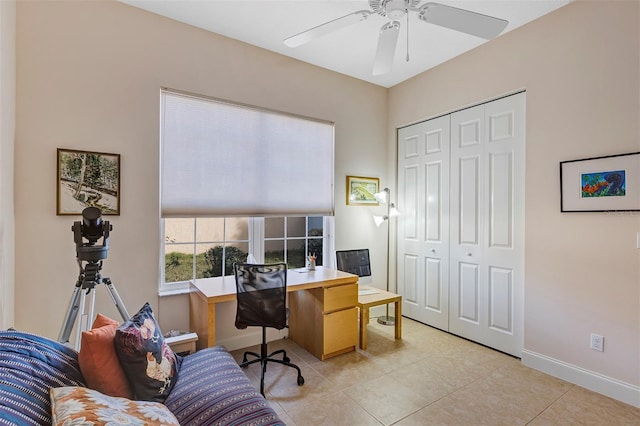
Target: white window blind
{"points": [[223, 159]]}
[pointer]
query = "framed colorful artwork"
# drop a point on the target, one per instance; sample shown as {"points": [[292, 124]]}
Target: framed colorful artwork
{"points": [[601, 184], [361, 190], [88, 179]]}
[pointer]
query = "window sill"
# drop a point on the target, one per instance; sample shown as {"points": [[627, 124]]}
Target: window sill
{"points": [[174, 291]]}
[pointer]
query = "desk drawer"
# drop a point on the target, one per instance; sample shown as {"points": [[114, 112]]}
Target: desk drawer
{"points": [[340, 330], [340, 297]]}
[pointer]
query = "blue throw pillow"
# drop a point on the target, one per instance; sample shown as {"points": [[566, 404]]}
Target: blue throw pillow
{"points": [[29, 366], [147, 360]]}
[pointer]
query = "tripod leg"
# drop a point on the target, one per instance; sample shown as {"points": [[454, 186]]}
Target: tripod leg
{"points": [[70, 317], [84, 322], [116, 299]]}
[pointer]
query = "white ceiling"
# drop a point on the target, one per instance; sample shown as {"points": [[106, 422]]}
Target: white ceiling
{"points": [[351, 50]]}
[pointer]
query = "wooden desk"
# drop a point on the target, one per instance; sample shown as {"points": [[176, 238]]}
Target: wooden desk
{"points": [[381, 297], [322, 303]]}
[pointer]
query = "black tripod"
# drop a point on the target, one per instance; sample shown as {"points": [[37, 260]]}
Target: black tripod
{"points": [[90, 255]]}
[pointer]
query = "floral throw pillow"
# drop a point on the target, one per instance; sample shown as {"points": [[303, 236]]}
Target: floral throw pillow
{"points": [[148, 361], [73, 405]]}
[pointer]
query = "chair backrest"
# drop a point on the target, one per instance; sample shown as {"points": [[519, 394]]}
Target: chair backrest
{"points": [[355, 262], [261, 292]]}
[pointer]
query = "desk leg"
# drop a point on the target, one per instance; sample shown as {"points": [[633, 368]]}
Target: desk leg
{"points": [[364, 322], [202, 320], [398, 330], [211, 325]]}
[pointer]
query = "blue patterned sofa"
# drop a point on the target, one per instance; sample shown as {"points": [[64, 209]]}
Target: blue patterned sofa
{"points": [[211, 389]]}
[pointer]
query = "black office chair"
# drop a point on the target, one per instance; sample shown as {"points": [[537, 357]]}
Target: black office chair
{"points": [[262, 293]]}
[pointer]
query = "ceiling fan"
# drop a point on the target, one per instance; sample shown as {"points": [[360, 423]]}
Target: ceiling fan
{"points": [[462, 20]]}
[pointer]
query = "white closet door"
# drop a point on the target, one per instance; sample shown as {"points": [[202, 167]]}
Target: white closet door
{"points": [[461, 230], [504, 232], [423, 235], [467, 222], [487, 223]]}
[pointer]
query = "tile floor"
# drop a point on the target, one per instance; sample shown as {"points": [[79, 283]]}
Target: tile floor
{"points": [[428, 378]]}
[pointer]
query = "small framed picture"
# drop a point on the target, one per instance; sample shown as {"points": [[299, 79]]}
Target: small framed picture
{"points": [[88, 179], [601, 184], [361, 190]]}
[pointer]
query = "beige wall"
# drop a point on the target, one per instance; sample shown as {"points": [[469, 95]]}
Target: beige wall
{"points": [[89, 77], [580, 68], [7, 135]]}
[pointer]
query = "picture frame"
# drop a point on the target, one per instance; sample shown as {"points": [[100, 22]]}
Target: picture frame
{"points": [[601, 184], [87, 179], [361, 190]]}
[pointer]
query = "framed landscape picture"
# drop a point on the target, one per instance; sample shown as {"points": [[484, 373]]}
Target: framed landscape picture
{"points": [[88, 179], [601, 184], [361, 190]]}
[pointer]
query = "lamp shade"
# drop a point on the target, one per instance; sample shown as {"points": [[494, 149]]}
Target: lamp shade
{"points": [[379, 219], [382, 196]]}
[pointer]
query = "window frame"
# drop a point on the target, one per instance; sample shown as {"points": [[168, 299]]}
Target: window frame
{"points": [[256, 246]]}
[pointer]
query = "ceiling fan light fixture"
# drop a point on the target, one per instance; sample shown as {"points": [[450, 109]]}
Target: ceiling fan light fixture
{"points": [[395, 9]]}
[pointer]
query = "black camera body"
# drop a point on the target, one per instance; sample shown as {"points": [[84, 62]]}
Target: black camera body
{"points": [[91, 228]]}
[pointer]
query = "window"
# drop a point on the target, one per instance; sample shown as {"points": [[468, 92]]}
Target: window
{"points": [[236, 179], [208, 247], [291, 239], [203, 247]]}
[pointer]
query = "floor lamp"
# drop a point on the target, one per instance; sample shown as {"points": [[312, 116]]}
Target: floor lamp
{"points": [[384, 197]]}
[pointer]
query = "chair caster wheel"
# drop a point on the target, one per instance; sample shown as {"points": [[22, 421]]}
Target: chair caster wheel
{"points": [[300, 380]]}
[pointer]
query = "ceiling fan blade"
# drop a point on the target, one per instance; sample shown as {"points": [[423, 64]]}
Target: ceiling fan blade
{"points": [[326, 28], [387, 42], [462, 20]]}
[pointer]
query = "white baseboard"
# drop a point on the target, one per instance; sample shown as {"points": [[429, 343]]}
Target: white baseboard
{"points": [[613, 388]]}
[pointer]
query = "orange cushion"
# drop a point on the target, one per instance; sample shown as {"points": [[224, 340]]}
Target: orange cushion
{"points": [[98, 361], [102, 320]]}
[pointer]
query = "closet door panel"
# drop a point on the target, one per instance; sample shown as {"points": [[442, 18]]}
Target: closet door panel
{"points": [[409, 277], [501, 206], [504, 247], [410, 202], [409, 266], [434, 285], [469, 293], [467, 222], [501, 300], [423, 182], [433, 193], [468, 201]]}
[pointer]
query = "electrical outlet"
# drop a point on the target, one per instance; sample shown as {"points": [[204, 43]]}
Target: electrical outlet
{"points": [[597, 342]]}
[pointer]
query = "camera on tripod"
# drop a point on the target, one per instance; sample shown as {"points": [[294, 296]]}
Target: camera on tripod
{"points": [[92, 228], [89, 255]]}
